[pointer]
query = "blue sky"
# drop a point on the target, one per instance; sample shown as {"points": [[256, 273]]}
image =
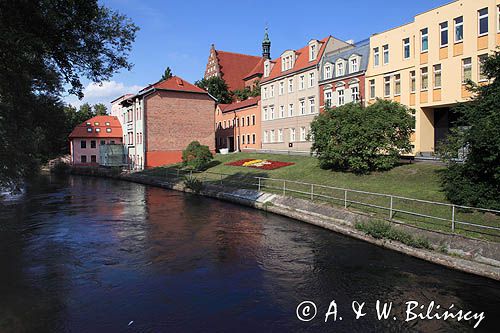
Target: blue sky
{"points": [[179, 33]]}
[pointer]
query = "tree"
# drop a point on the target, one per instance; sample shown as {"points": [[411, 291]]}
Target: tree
{"points": [[196, 156], [476, 181], [46, 45], [216, 87], [167, 74], [362, 139], [245, 93], [100, 109]]}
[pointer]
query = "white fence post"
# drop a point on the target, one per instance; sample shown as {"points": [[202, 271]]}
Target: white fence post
{"points": [[390, 212], [345, 198], [259, 182], [312, 192], [453, 218], [284, 187]]}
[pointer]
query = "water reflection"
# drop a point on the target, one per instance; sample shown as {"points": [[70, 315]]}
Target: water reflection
{"points": [[89, 254]]}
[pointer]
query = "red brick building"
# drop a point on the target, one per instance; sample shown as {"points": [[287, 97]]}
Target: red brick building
{"points": [[163, 118]]}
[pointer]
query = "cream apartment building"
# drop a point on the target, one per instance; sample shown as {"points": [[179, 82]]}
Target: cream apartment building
{"points": [[425, 64], [290, 95]]}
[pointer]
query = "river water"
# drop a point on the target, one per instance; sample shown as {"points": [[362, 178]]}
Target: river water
{"points": [[95, 255]]}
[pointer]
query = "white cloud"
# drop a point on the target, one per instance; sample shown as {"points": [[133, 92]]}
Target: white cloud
{"points": [[102, 93]]}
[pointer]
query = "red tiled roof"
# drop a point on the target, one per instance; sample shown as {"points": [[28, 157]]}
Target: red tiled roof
{"points": [[301, 62], [240, 105], [235, 67], [257, 70], [81, 131], [174, 83]]}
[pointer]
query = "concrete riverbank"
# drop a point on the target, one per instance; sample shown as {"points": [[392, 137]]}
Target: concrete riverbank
{"points": [[473, 256]]}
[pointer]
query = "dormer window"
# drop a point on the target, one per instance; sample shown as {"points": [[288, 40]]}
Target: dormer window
{"points": [[287, 60], [89, 129], [340, 67], [328, 71], [96, 123], [107, 123], [266, 69], [97, 130], [108, 130], [88, 124], [353, 64], [313, 52]]}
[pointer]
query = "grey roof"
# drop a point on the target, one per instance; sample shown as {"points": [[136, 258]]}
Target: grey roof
{"points": [[361, 49]]}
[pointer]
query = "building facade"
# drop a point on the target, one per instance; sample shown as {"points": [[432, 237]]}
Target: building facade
{"points": [[237, 125], [290, 95], [342, 75], [425, 64], [87, 138], [163, 118]]}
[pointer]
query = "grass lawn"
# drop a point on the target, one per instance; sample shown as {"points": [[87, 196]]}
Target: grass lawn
{"points": [[415, 180]]}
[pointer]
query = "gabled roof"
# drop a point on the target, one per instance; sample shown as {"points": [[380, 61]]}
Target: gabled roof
{"points": [[362, 49], [301, 62], [235, 67], [239, 105], [174, 83], [98, 122], [257, 70]]}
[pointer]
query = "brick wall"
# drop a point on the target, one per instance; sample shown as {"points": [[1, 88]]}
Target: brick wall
{"points": [[173, 120]]}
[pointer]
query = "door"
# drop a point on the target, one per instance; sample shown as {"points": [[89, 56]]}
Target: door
{"points": [[231, 143]]}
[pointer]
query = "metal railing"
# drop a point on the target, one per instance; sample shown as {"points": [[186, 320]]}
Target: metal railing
{"points": [[449, 217]]}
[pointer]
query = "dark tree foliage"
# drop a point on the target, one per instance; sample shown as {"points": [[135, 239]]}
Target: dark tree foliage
{"points": [[100, 109], [362, 139], [46, 45], [196, 156], [476, 181], [216, 87], [243, 94], [167, 74]]}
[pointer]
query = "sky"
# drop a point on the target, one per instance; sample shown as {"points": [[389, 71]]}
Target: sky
{"points": [[179, 33]]}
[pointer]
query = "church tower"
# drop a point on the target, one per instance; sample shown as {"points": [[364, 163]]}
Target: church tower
{"points": [[266, 46]]}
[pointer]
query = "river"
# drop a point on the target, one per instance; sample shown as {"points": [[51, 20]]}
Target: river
{"points": [[96, 255]]}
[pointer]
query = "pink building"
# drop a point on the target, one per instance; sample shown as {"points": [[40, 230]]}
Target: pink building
{"points": [[89, 135]]}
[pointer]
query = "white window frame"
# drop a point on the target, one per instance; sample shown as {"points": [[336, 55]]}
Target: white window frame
{"points": [[290, 110], [438, 70], [466, 66], [376, 56], [302, 82], [387, 86], [353, 64], [271, 136], [444, 27], [312, 105], [385, 51], [312, 52], [292, 134], [413, 82], [302, 133], [302, 103], [271, 116], [328, 71], [372, 89], [282, 111], [424, 72], [479, 18], [422, 37], [281, 88], [290, 85], [312, 79], [354, 93], [406, 44], [340, 96], [280, 135], [266, 114], [479, 68], [456, 26], [340, 68], [271, 93], [328, 98], [266, 136], [397, 82]]}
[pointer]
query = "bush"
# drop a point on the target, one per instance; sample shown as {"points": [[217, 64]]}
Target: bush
{"points": [[196, 156], [193, 183], [383, 230], [362, 139]]}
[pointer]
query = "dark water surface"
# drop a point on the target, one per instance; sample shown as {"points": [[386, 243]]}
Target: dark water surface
{"points": [[93, 255]]}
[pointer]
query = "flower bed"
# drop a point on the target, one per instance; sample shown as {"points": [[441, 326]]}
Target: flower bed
{"points": [[260, 164]]}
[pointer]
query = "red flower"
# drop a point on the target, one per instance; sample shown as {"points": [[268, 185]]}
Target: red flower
{"points": [[270, 165]]}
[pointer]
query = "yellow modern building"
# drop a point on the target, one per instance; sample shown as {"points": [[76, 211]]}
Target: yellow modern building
{"points": [[424, 64]]}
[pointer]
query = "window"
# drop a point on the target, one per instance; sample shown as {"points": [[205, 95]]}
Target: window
{"points": [[311, 80], [266, 114], [290, 110], [424, 72], [483, 21], [265, 92], [93, 158], [340, 68], [466, 70], [302, 82], [248, 120], [271, 136], [83, 144], [328, 71], [225, 124], [355, 93], [312, 105], [372, 89], [480, 62], [387, 86], [302, 107], [443, 28], [328, 98], [89, 129], [107, 123], [88, 124], [280, 135], [97, 130], [413, 82], [253, 138], [282, 111], [292, 134], [265, 136], [290, 85], [437, 76], [96, 123], [83, 158], [459, 29], [253, 119], [406, 48], [424, 37], [386, 54], [103, 142], [108, 130], [313, 52], [92, 143], [272, 112], [266, 69], [302, 134], [243, 139], [376, 56], [282, 88], [397, 84], [272, 90], [341, 98], [354, 65]]}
